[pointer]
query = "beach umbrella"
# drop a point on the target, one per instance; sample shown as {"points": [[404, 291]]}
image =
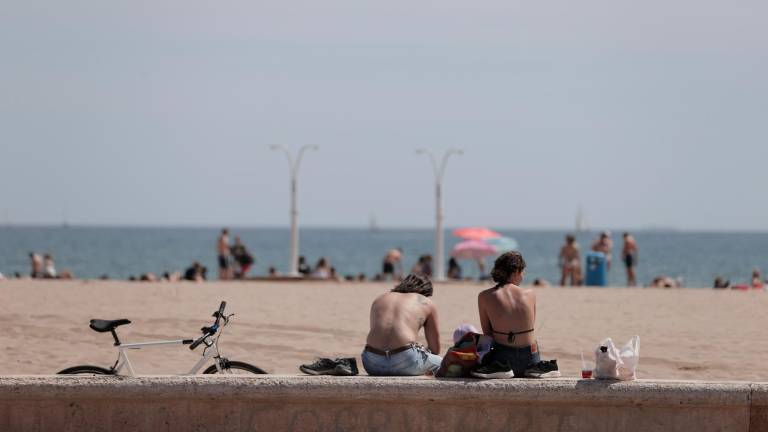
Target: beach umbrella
{"points": [[503, 244], [473, 250], [475, 233]]}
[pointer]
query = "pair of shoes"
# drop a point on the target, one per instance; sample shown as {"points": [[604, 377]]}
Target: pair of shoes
{"points": [[326, 366], [543, 369], [495, 370]]}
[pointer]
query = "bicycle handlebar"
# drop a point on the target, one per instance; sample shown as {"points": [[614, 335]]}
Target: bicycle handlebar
{"points": [[210, 331]]}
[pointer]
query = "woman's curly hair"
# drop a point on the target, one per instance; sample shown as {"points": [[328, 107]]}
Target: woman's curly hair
{"points": [[506, 265]]}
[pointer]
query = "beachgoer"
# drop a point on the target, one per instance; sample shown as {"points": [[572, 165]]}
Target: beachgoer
{"points": [[508, 314], [604, 244], [392, 264], [2, 277], [273, 273], [454, 269], [570, 261], [242, 257], [423, 266], [222, 248], [195, 272], [396, 318], [629, 253], [757, 281], [322, 269], [36, 262], [304, 268], [721, 283], [49, 269]]}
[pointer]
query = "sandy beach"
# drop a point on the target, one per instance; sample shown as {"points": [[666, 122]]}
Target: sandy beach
{"points": [[685, 334]]}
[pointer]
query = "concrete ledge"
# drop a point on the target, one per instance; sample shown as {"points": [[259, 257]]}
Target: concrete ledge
{"points": [[236, 403]]}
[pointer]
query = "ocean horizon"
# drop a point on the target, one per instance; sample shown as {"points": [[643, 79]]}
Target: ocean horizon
{"points": [[91, 251]]}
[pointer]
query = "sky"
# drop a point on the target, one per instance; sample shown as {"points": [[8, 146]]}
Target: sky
{"points": [[643, 114]]}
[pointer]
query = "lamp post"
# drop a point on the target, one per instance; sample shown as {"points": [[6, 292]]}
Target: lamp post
{"points": [[439, 169], [293, 166]]}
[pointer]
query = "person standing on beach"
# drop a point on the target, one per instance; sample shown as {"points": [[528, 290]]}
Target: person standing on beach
{"points": [[604, 244], [222, 248], [570, 262], [242, 257], [392, 265], [36, 262], [629, 253], [396, 318], [49, 269]]}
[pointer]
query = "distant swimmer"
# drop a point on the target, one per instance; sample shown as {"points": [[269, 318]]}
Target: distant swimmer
{"points": [[570, 261], [629, 253], [604, 244], [396, 318], [392, 265], [222, 248]]}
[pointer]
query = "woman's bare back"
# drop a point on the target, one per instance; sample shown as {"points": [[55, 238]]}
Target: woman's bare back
{"points": [[508, 309]]}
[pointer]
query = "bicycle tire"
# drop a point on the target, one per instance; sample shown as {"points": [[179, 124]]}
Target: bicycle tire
{"points": [[236, 365], [85, 370]]}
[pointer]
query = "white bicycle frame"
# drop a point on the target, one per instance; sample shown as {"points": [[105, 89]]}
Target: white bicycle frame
{"points": [[211, 351]]}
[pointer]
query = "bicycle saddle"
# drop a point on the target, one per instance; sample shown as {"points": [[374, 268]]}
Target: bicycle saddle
{"points": [[103, 326]]}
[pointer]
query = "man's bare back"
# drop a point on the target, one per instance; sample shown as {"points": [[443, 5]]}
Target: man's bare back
{"points": [[396, 319], [505, 309]]}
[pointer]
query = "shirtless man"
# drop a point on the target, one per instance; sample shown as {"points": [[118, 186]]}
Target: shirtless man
{"points": [[629, 253], [508, 314], [604, 244], [396, 318], [570, 261], [222, 248], [392, 265]]}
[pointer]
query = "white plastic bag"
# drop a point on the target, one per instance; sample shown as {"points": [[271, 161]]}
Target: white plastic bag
{"points": [[612, 363], [607, 360], [630, 356]]}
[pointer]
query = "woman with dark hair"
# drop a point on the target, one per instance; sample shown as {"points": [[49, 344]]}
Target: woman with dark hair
{"points": [[508, 314]]}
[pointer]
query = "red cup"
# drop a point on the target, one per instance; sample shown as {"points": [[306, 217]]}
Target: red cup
{"points": [[586, 373]]}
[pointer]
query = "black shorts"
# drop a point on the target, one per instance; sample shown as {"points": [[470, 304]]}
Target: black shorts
{"points": [[223, 261], [629, 260], [388, 268]]}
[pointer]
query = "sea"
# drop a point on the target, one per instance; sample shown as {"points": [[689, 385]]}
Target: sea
{"points": [[695, 258]]}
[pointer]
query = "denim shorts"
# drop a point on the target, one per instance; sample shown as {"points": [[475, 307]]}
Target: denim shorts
{"points": [[517, 358], [412, 362]]}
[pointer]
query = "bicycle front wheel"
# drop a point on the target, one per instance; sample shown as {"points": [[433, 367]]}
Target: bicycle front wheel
{"points": [[234, 368], [86, 370]]}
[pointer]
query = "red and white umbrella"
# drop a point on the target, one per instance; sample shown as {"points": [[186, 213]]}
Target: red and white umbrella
{"points": [[475, 233], [473, 250]]}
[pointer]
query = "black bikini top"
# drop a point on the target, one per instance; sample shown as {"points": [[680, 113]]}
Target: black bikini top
{"points": [[511, 335]]}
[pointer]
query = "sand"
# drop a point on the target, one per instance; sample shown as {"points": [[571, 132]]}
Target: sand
{"points": [[685, 334]]}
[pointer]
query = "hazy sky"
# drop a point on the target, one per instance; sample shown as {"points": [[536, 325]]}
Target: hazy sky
{"points": [[646, 114]]}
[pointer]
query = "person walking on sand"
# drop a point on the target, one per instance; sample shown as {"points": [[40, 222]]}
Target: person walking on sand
{"points": [[222, 248], [604, 244], [570, 262], [392, 265], [242, 257], [629, 253], [508, 314], [396, 318]]}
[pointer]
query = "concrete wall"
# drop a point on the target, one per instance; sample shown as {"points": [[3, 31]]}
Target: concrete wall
{"points": [[271, 403]]}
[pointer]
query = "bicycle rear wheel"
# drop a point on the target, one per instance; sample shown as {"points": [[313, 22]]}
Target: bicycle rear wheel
{"points": [[235, 367], [86, 370]]}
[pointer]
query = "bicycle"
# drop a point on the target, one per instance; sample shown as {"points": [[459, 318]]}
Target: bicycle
{"points": [[210, 339]]}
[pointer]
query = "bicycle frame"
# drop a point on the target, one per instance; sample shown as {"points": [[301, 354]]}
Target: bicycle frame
{"points": [[123, 362]]}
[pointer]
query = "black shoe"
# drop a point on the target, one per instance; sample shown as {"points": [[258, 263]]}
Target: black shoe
{"points": [[346, 366], [543, 369], [323, 366], [495, 370]]}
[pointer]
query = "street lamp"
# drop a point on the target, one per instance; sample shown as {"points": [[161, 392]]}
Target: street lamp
{"points": [[293, 166], [439, 170]]}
